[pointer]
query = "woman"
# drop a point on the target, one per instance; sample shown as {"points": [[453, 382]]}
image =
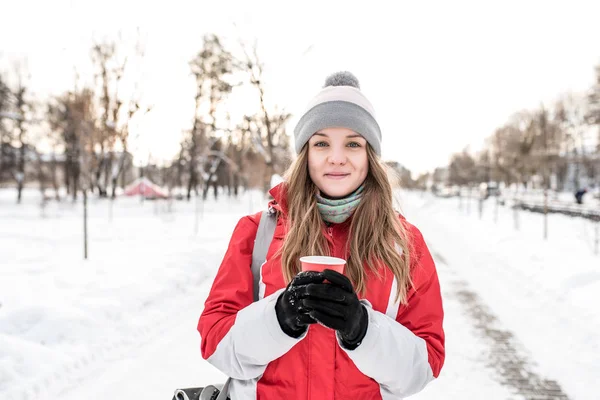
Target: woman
{"points": [[374, 332]]}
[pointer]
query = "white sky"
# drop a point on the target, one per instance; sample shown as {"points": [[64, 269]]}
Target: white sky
{"points": [[441, 75]]}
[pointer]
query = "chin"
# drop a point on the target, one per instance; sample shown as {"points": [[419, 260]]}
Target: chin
{"points": [[337, 192]]}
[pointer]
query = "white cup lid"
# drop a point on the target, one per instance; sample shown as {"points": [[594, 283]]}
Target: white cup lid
{"points": [[325, 260]]}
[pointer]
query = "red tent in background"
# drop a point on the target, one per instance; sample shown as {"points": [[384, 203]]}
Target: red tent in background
{"points": [[145, 187]]}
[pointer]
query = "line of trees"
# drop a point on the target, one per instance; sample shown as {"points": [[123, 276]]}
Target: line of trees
{"points": [[79, 140], [557, 146]]}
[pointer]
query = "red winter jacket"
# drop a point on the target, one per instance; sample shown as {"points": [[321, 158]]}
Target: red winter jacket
{"points": [[402, 351]]}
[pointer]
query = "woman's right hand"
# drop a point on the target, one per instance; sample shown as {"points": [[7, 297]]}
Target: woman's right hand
{"points": [[292, 317]]}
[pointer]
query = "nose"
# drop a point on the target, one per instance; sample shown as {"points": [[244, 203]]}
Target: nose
{"points": [[337, 156]]}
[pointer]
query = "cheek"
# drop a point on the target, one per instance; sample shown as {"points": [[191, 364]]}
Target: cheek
{"points": [[313, 163], [361, 162]]}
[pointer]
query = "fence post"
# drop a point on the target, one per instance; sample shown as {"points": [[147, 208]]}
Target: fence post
{"points": [[597, 235], [496, 209], [469, 201], [545, 213], [516, 214]]}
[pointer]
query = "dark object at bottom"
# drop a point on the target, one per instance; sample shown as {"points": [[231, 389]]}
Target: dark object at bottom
{"points": [[195, 394], [187, 394]]}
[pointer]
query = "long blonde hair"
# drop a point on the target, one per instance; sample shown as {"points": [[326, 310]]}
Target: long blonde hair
{"points": [[376, 234]]}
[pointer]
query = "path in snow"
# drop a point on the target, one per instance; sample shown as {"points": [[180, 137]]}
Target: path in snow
{"points": [[513, 369]]}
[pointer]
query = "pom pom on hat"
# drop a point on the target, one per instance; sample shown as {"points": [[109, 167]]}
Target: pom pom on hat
{"points": [[342, 78]]}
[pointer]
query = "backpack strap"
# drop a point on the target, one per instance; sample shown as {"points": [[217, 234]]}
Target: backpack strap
{"points": [[264, 236]]}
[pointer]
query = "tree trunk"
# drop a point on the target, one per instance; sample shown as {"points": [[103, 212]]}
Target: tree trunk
{"points": [[20, 175], [99, 169], [53, 175], [1, 154], [85, 225], [68, 171], [108, 171], [236, 184], [192, 184], [76, 171], [115, 176], [179, 180], [40, 174]]}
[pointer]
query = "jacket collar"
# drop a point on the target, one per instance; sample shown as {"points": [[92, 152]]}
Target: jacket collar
{"points": [[279, 194]]}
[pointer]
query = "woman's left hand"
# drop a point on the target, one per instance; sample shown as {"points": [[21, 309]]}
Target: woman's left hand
{"points": [[336, 305]]}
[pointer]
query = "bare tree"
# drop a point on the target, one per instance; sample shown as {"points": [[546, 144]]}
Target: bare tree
{"points": [[271, 126], [570, 117], [462, 169], [593, 114], [117, 111], [593, 118], [23, 106], [5, 108], [212, 68], [483, 167], [102, 55], [72, 115]]}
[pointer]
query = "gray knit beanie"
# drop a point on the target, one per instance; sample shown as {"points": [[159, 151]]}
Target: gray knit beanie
{"points": [[339, 104]]}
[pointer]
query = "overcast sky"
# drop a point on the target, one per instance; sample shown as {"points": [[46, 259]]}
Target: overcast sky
{"points": [[441, 74]]}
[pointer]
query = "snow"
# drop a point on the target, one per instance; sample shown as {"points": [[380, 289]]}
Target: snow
{"points": [[124, 321], [545, 292]]}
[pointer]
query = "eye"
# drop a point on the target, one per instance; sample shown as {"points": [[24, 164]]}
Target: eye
{"points": [[320, 144], [354, 144]]}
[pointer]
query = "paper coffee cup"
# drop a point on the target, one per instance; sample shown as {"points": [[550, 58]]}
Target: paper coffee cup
{"points": [[320, 263]]}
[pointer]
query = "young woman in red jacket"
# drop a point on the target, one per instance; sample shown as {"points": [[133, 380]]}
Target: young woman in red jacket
{"points": [[374, 332]]}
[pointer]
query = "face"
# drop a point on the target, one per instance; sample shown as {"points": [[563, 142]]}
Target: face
{"points": [[337, 161]]}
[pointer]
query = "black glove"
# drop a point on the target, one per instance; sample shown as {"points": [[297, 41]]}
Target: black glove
{"points": [[291, 315], [336, 305]]}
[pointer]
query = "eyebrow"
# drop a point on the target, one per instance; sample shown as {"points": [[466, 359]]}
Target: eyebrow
{"points": [[347, 137]]}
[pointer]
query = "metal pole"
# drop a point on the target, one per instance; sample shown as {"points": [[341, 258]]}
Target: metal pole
{"points": [[469, 201], [515, 213], [196, 215], [546, 176], [545, 212], [85, 230], [496, 209], [597, 237], [251, 205]]}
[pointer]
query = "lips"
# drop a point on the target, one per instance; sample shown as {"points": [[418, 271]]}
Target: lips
{"points": [[336, 175]]}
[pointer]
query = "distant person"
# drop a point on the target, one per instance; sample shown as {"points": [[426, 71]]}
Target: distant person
{"points": [[579, 195], [374, 332]]}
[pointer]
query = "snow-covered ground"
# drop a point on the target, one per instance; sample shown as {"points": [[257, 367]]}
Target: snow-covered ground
{"points": [[544, 291], [123, 323]]}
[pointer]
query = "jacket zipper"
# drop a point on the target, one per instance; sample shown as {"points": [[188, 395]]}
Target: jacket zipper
{"points": [[332, 242]]}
